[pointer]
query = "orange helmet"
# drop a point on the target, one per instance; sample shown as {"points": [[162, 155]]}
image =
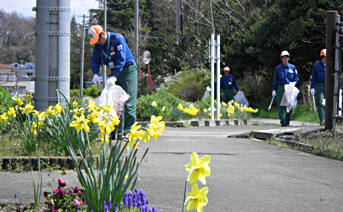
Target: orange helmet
{"points": [[285, 53], [323, 53], [94, 32], [226, 68]]}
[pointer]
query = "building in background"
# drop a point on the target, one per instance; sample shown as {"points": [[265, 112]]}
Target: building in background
{"points": [[18, 79]]}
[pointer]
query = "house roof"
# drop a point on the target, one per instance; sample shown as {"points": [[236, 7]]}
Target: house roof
{"points": [[4, 69], [2, 66]]}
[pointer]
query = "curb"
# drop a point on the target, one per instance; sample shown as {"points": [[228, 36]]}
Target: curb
{"points": [[13, 163], [205, 123]]}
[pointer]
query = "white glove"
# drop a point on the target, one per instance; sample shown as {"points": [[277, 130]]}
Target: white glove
{"points": [[96, 80], [312, 91], [208, 89], [112, 81], [274, 93]]}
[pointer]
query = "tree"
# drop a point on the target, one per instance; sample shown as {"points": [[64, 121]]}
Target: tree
{"points": [[19, 38]]}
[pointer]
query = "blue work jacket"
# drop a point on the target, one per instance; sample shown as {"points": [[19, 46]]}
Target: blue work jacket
{"points": [[114, 50], [228, 82], [318, 73], [284, 75]]}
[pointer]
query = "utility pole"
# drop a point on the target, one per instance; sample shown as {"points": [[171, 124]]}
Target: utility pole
{"points": [[1, 27], [136, 32], [178, 19], [105, 29], [82, 55], [331, 17]]}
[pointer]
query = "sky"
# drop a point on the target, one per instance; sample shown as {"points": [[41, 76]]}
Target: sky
{"points": [[24, 7]]}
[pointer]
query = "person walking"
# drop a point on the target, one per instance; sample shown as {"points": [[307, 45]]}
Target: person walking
{"points": [[285, 73], [318, 85], [112, 50], [227, 83]]}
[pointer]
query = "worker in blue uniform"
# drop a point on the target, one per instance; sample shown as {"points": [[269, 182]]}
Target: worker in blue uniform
{"points": [[318, 85], [112, 50], [227, 83], [285, 73]]}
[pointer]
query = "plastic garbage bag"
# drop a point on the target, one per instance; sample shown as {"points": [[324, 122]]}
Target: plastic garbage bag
{"points": [[289, 98], [240, 99], [112, 95], [206, 94]]}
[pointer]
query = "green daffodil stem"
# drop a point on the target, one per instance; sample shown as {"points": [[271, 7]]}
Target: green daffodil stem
{"points": [[184, 197]]}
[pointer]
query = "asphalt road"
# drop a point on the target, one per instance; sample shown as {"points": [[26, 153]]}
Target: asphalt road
{"points": [[247, 174]]}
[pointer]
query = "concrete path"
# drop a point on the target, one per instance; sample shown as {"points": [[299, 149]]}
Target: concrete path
{"points": [[247, 174]]}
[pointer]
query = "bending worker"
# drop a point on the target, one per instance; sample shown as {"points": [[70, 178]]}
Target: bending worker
{"points": [[318, 85], [285, 73], [112, 50], [227, 83]]}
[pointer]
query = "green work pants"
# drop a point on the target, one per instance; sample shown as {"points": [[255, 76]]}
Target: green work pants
{"points": [[128, 80], [282, 109], [320, 96], [227, 95]]}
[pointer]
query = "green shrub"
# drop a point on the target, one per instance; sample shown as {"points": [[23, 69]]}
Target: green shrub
{"points": [[188, 84], [165, 104], [6, 100]]}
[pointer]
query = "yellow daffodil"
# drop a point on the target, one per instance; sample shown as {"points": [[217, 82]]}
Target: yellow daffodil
{"points": [[157, 123], [28, 96], [75, 103], [180, 107], [135, 133], [198, 169], [58, 109], [154, 104], [126, 176], [80, 123], [4, 117], [28, 108], [19, 101], [50, 110], [35, 113], [196, 199], [93, 117], [163, 108], [11, 112]]}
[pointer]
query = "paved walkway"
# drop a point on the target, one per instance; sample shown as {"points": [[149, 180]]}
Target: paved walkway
{"points": [[247, 174]]}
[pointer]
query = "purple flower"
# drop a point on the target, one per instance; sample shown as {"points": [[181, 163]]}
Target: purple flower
{"points": [[147, 201], [104, 206], [15, 196], [110, 205], [61, 183], [77, 203]]}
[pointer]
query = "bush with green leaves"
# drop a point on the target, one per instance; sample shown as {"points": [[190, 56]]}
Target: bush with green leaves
{"points": [[6, 100], [188, 84], [160, 103]]}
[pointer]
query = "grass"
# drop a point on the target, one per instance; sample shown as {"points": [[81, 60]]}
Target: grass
{"points": [[301, 113]]}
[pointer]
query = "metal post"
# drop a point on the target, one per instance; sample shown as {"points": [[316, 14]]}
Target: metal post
{"points": [[331, 18], [136, 33], [52, 52], [212, 76], [105, 29], [82, 56], [218, 77], [148, 78], [63, 53]]}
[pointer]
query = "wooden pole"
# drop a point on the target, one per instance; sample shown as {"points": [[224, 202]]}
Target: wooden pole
{"points": [[331, 17]]}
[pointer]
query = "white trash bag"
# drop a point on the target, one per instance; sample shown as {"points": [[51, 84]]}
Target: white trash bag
{"points": [[289, 98], [113, 95], [240, 99]]}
